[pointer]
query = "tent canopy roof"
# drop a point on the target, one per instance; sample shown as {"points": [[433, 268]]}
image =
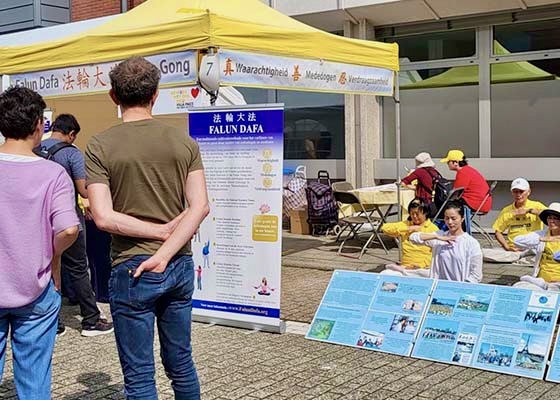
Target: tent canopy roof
{"points": [[161, 26]]}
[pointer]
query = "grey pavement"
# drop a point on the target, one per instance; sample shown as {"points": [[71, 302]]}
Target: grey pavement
{"points": [[241, 364]]}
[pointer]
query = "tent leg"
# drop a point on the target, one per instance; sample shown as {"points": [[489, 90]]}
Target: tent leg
{"points": [[398, 149]]}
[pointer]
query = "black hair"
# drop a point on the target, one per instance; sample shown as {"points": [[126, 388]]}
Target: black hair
{"points": [[66, 123], [463, 162], [420, 205], [21, 109], [457, 205]]}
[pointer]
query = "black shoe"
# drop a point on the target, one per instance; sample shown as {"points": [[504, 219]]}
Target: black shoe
{"points": [[101, 327], [60, 329]]}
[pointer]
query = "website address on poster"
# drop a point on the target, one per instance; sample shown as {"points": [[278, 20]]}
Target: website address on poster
{"points": [[237, 308]]}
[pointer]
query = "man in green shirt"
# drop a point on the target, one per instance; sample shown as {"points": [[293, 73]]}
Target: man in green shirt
{"points": [[146, 187]]}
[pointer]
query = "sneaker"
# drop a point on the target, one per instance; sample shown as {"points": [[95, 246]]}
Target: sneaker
{"points": [[60, 329], [101, 327]]}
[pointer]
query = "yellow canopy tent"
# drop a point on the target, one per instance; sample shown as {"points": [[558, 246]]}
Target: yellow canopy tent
{"points": [[159, 26], [258, 46]]}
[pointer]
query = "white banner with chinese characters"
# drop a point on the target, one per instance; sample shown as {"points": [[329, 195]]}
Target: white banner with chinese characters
{"points": [[176, 68], [246, 69]]}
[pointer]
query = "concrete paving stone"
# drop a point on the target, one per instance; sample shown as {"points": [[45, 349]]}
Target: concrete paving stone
{"points": [[313, 381], [265, 392], [448, 397], [541, 387], [497, 396], [345, 388], [528, 396], [464, 389], [378, 394], [434, 392], [406, 394], [552, 394], [356, 395], [329, 396], [450, 384], [421, 386], [301, 396], [397, 385], [375, 386], [238, 393], [318, 389], [292, 391], [504, 380]]}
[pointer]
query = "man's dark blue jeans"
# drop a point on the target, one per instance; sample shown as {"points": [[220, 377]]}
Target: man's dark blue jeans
{"points": [[135, 304]]}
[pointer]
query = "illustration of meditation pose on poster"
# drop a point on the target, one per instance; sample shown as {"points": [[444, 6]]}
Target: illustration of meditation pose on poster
{"points": [[416, 260], [518, 218], [546, 244], [456, 255], [263, 288], [206, 254]]}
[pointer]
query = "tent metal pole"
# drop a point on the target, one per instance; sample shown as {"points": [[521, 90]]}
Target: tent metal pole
{"points": [[5, 83], [398, 150]]}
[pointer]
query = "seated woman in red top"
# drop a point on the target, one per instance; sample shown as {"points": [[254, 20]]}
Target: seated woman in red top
{"points": [[476, 187], [423, 174]]}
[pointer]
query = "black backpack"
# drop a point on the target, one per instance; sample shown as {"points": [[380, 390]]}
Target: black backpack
{"points": [[51, 151], [441, 188]]}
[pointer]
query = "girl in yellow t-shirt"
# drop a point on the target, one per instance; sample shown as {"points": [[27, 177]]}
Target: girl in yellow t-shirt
{"points": [[546, 243], [416, 260]]}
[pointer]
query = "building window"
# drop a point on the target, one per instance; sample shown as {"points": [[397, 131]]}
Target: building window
{"points": [[525, 103], [438, 113], [313, 122], [531, 36], [254, 95], [436, 46], [313, 125]]}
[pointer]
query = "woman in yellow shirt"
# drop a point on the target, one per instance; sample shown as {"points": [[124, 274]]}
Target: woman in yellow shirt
{"points": [[416, 260], [546, 243]]}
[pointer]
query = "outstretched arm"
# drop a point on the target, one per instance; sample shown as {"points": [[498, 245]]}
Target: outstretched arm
{"points": [[475, 271], [109, 220], [430, 239], [197, 198]]}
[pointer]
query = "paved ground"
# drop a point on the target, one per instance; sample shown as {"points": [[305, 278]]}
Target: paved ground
{"points": [[240, 364]]}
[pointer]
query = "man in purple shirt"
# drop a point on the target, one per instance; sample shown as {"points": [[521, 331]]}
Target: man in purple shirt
{"points": [[38, 222]]}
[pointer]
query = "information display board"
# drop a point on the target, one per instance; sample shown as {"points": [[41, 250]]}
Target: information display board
{"points": [[496, 328], [553, 373], [371, 311], [238, 248]]}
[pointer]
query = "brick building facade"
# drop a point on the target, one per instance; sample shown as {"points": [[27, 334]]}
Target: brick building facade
{"points": [[86, 9]]}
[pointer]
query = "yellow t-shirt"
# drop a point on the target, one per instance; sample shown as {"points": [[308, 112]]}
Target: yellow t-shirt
{"points": [[550, 269], [516, 225], [413, 255]]}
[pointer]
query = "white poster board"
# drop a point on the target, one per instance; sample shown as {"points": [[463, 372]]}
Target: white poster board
{"points": [[237, 251]]}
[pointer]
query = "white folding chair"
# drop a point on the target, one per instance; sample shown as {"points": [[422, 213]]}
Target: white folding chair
{"points": [[474, 223], [355, 222]]}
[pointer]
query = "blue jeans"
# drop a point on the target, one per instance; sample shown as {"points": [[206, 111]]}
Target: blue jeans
{"points": [[135, 304], [468, 216], [33, 333]]}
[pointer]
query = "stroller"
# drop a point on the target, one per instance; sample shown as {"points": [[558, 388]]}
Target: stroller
{"points": [[322, 212]]}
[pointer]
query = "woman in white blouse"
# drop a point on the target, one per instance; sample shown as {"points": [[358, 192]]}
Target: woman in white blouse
{"points": [[456, 255]]}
